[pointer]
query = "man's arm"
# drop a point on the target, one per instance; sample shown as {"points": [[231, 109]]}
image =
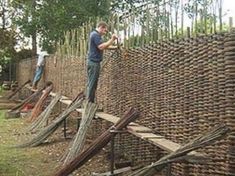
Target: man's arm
{"points": [[112, 47], [107, 44]]}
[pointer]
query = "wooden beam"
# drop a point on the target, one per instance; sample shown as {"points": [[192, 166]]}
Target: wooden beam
{"points": [[140, 131]]}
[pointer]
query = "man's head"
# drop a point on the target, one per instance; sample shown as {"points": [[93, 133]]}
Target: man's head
{"points": [[102, 28]]}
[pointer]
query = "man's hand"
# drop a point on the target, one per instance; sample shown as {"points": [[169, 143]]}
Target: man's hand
{"points": [[106, 45], [114, 37]]}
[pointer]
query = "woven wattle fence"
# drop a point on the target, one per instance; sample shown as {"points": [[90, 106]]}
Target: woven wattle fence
{"points": [[181, 87]]}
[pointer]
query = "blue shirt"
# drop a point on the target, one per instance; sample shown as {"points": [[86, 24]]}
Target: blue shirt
{"points": [[95, 54]]}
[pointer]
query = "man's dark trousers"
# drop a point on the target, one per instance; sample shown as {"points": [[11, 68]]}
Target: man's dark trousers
{"points": [[93, 71]]}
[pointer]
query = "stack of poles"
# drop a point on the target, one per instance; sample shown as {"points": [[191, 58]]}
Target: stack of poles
{"points": [[40, 103], [98, 144], [50, 129]]}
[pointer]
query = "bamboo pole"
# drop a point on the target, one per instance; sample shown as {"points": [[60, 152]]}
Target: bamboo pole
{"points": [[97, 144], [157, 25], [78, 44], [214, 15], [220, 16], [205, 13], [166, 17], [201, 22], [73, 42], [50, 129], [142, 35], [147, 36], [168, 26], [125, 35], [230, 24], [40, 103], [188, 32], [27, 100], [118, 25], [133, 31], [172, 23], [79, 140], [180, 154], [43, 117], [196, 20], [182, 17]]}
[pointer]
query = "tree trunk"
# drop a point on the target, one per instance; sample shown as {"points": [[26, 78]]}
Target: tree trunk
{"points": [[3, 15], [34, 34]]}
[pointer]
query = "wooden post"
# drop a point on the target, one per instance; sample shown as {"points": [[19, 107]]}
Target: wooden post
{"points": [[188, 32], [118, 24], [182, 18], [220, 16], [125, 34], [205, 16], [230, 23]]}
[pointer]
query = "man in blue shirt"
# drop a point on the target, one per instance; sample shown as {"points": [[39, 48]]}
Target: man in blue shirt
{"points": [[95, 56]]}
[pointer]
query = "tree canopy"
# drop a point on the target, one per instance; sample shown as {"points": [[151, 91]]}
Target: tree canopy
{"points": [[51, 18]]}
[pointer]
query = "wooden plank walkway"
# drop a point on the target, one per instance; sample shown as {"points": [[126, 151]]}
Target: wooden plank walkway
{"points": [[136, 129]]}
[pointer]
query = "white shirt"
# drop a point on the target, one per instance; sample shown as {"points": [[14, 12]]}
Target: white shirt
{"points": [[41, 58]]}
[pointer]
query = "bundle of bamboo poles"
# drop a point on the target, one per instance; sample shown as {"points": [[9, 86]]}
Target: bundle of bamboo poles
{"points": [[79, 139], [181, 154], [18, 89], [27, 100], [39, 105], [43, 117], [98, 144], [50, 129]]}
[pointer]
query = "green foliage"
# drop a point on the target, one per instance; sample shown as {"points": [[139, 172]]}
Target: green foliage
{"points": [[23, 54], [7, 43], [25, 162], [51, 18], [7, 34]]}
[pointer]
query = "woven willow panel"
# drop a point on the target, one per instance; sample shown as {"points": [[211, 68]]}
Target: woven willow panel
{"points": [[181, 87]]}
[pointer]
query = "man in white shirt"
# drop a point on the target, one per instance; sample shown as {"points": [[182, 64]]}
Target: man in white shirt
{"points": [[39, 69]]}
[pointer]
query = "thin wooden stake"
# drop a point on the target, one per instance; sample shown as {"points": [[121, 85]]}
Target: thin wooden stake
{"points": [[230, 23]]}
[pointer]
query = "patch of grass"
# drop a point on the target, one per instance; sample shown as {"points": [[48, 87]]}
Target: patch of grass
{"points": [[17, 161], [9, 160], [2, 114], [2, 117], [1, 90], [9, 157]]}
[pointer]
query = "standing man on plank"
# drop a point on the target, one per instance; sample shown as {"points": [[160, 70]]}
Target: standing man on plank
{"points": [[39, 69], [95, 56]]}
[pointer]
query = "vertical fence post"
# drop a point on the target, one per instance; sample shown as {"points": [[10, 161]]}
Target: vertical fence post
{"points": [[188, 32], [230, 23], [220, 16]]}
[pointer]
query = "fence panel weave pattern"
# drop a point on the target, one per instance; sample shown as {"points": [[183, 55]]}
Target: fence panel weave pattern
{"points": [[181, 87]]}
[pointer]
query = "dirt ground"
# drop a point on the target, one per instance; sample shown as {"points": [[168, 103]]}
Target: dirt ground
{"points": [[43, 160]]}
